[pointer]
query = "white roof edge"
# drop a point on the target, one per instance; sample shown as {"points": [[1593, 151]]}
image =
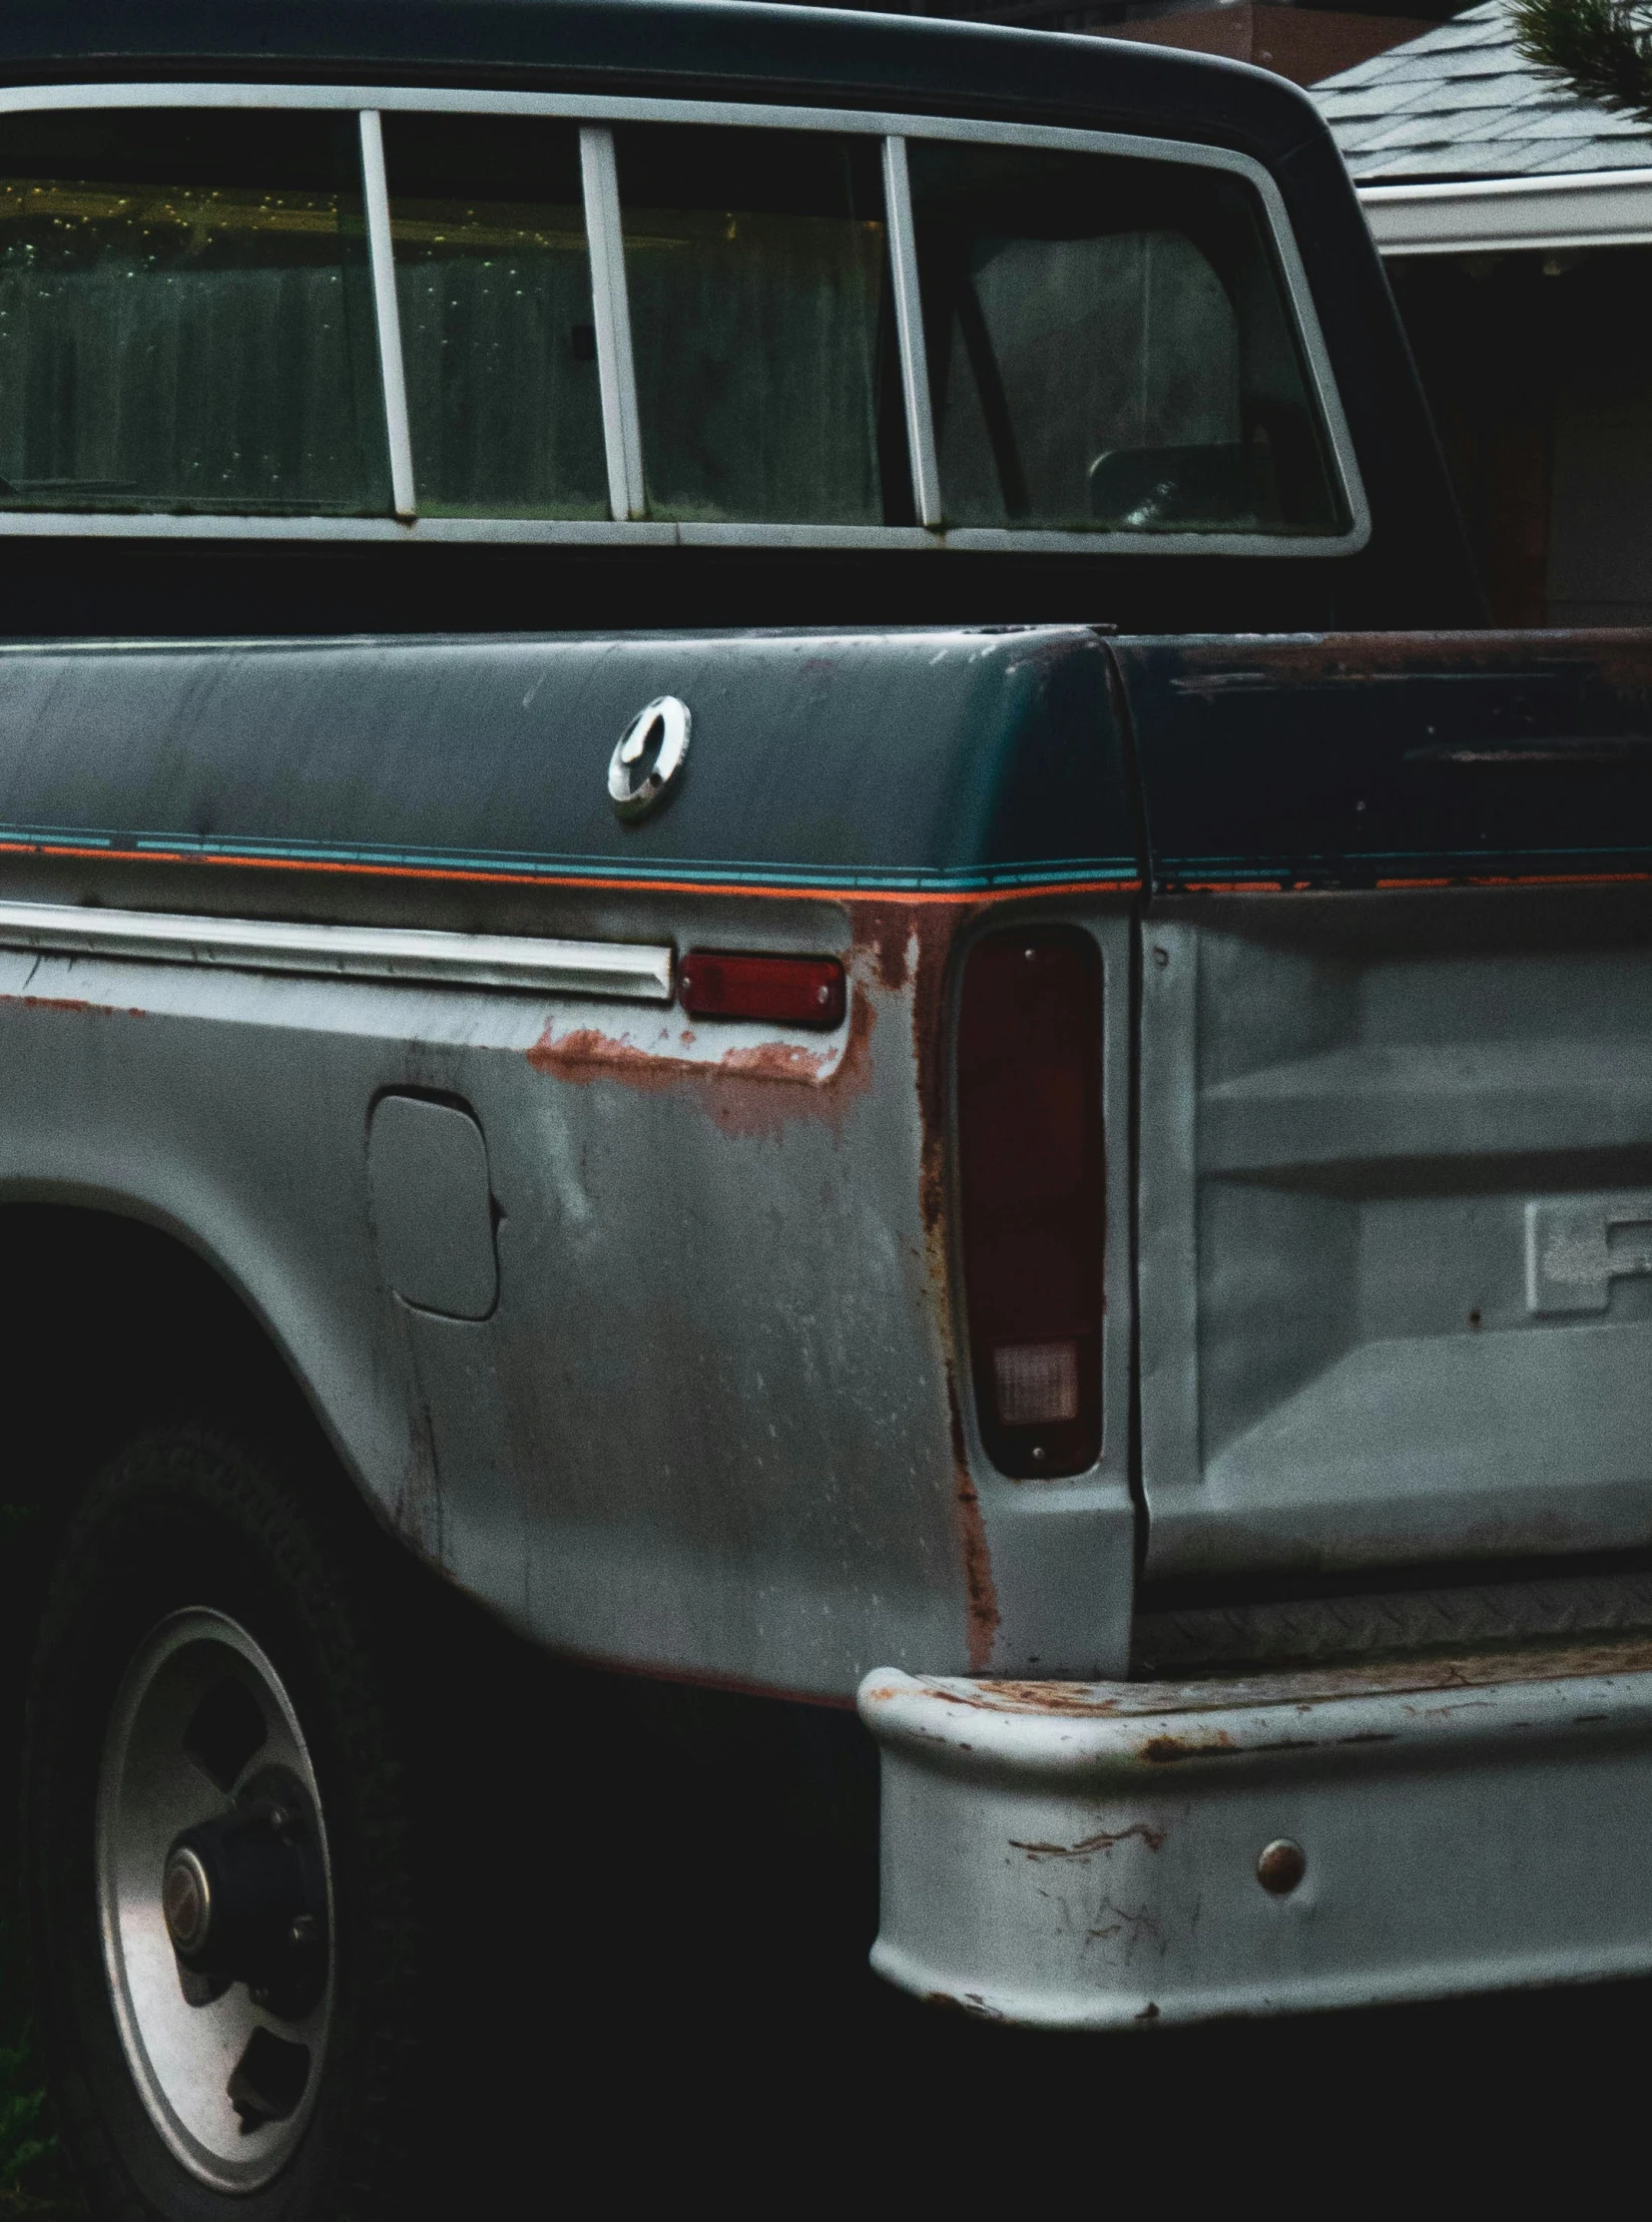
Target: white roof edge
{"points": [[1589, 207]]}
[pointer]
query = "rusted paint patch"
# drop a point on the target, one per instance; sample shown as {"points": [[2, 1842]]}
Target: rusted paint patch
{"points": [[1307, 1689], [754, 1089], [1356, 659], [901, 952], [1166, 1751], [929, 1038], [908, 948], [1087, 1846], [1079, 1699], [75, 1004], [588, 1054], [980, 1590]]}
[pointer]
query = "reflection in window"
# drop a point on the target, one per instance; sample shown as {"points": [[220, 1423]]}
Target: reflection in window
{"points": [[756, 265], [494, 287], [1109, 348], [186, 316]]}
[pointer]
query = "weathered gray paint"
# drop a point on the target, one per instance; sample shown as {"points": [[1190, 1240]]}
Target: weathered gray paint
{"points": [[1085, 1856], [432, 1207], [1350, 1104], [713, 1421], [708, 1426]]}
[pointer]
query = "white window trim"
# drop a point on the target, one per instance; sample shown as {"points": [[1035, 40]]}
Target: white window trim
{"points": [[616, 370], [393, 369], [1508, 216]]}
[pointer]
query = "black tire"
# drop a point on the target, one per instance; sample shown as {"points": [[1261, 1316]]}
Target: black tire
{"points": [[186, 1518]]}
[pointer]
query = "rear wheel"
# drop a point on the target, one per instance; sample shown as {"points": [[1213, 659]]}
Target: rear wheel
{"points": [[215, 1848]]}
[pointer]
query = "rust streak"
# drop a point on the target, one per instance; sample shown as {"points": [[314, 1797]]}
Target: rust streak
{"points": [[910, 950], [739, 1088], [1087, 1846], [1391, 886], [1165, 1751], [1232, 886], [75, 1004], [1621, 657], [980, 1590], [1075, 1698]]}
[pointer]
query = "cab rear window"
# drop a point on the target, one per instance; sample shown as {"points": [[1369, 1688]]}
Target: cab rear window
{"points": [[496, 319]]}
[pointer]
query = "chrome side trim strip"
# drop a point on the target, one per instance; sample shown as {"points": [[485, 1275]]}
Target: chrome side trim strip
{"points": [[630, 973], [611, 314], [375, 193], [908, 319]]}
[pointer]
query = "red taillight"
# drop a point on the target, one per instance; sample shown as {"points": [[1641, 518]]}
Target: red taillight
{"points": [[1032, 1195], [788, 990]]}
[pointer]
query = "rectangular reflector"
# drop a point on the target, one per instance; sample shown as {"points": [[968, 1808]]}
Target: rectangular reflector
{"points": [[786, 990]]}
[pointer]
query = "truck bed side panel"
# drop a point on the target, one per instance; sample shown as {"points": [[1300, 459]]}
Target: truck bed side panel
{"points": [[713, 1423]]}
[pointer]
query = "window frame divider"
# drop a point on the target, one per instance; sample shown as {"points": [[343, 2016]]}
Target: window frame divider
{"points": [[375, 194], [908, 319], [611, 314]]}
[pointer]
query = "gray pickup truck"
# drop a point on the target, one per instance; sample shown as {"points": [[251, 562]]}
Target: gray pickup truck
{"points": [[764, 885]]}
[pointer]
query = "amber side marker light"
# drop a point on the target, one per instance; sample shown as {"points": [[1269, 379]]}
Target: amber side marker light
{"points": [[788, 990], [1032, 1196]]}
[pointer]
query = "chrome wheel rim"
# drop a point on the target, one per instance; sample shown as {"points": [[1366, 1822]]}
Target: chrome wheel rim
{"points": [[230, 2078]]}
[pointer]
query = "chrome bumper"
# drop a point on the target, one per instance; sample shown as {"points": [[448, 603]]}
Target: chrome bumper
{"points": [[1091, 1855]]}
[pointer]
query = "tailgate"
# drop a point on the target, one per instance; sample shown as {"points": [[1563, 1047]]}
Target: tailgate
{"points": [[1396, 1099]]}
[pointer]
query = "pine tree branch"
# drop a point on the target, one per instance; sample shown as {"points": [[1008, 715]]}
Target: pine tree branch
{"points": [[1603, 48]]}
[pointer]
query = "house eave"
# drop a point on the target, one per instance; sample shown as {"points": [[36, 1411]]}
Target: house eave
{"points": [[1595, 207]]}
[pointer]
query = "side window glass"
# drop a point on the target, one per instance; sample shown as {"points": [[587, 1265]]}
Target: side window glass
{"points": [[756, 265], [1110, 347], [493, 283], [186, 314]]}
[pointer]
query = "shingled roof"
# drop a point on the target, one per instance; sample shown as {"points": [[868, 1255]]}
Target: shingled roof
{"points": [[1459, 102]]}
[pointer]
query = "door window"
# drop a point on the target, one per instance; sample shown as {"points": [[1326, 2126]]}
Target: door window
{"points": [[186, 314]]}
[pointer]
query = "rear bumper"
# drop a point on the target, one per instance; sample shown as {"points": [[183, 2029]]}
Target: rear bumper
{"points": [[1085, 1856]]}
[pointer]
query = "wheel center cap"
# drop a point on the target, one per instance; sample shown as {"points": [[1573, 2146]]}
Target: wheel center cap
{"points": [[187, 1900]]}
